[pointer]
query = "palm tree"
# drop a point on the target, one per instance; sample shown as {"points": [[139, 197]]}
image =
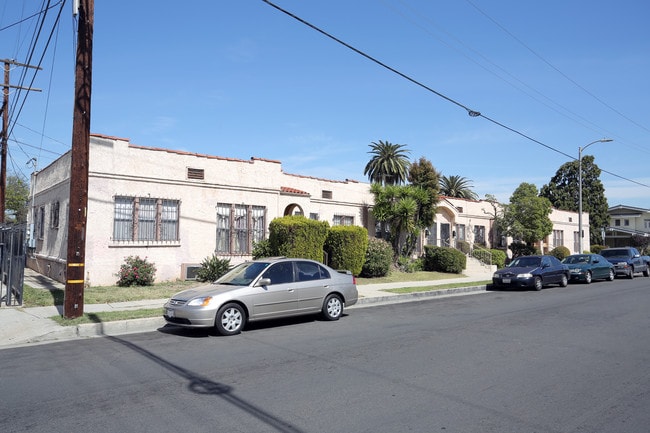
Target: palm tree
{"points": [[389, 164], [457, 186]]}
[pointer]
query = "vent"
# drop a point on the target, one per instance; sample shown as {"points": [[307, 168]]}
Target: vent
{"points": [[327, 194], [195, 173], [189, 270]]}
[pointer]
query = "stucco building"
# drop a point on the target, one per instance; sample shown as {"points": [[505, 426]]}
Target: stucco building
{"points": [[176, 208]]}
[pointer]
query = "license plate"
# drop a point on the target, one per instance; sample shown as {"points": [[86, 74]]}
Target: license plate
{"points": [[170, 312], [506, 281]]}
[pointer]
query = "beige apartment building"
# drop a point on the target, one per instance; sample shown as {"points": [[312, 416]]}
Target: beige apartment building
{"points": [[176, 208]]}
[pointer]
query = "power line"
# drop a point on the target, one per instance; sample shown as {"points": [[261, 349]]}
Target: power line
{"points": [[471, 112]]}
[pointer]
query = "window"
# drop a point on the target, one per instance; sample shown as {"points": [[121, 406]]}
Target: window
{"points": [[280, 273], [313, 216], [646, 224], [479, 235], [40, 223], [343, 220], [617, 222], [239, 227], [460, 232], [54, 215], [145, 219], [558, 238], [626, 223]]}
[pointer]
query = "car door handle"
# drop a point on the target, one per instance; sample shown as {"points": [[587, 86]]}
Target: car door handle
{"points": [[291, 290]]}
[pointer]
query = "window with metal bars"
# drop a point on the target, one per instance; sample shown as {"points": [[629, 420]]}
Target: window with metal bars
{"points": [[239, 227], [145, 219]]}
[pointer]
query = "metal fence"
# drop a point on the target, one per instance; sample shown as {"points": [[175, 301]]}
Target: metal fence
{"points": [[12, 264]]}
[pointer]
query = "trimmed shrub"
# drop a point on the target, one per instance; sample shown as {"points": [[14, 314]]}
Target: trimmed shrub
{"points": [[136, 271], [444, 259], [346, 247], [498, 258], [212, 268], [379, 257], [262, 249], [560, 252], [596, 249], [297, 236], [463, 246]]}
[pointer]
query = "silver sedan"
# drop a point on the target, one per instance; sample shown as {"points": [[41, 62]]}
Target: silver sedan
{"points": [[263, 289]]}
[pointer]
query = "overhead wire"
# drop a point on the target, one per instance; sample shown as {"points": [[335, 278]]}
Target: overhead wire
{"points": [[471, 112]]}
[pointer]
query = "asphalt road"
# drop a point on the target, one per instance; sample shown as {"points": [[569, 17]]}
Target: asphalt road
{"points": [[569, 359]]}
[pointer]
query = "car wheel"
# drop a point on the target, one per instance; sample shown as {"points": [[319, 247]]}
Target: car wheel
{"points": [[646, 273], [611, 275], [631, 274], [537, 283], [230, 319], [564, 281], [332, 307], [588, 277]]}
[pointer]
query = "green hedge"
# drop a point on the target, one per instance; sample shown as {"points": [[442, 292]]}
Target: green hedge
{"points": [[498, 258], [297, 236], [379, 257], [444, 259], [346, 247], [560, 252]]}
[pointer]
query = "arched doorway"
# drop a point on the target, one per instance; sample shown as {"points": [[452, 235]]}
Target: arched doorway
{"points": [[293, 209]]}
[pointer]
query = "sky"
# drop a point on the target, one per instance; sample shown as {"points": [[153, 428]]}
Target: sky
{"points": [[242, 79]]}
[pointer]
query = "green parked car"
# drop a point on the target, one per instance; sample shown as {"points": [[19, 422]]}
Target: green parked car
{"points": [[588, 267]]}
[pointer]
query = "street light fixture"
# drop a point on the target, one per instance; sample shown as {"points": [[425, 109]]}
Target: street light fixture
{"points": [[580, 149]]}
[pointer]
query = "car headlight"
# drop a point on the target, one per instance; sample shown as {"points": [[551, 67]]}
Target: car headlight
{"points": [[203, 301], [496, 276], [526, 275]]}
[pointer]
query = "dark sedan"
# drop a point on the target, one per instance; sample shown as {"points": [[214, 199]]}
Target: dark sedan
{"points": [[533, 272], [588, 267]]}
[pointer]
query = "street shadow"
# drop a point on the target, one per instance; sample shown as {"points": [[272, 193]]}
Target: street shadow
{"points": [[208, 387]]}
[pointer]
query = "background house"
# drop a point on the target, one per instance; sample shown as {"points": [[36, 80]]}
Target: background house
{"points": [[625, 222], [176, 208]]}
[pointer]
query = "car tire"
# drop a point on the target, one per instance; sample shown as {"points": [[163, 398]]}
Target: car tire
{"points": [[230, 319], [588, 277], [611, 275], [646, 273], [332, 307], [537, 283], [564, 281], [631, 274]]}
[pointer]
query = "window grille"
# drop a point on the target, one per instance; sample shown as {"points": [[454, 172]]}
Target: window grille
{"points": [[169, 220], [123, 219], [223, 228], [239, 227], [145, 219], [343, 220], [54, 215]]}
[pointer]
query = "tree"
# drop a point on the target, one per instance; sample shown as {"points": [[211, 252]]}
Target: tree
{"points": [[16, 196], [457, 186], [563, 190], [527, 215], [422, 174], [399, 207], [389, 164], [497, 217]]}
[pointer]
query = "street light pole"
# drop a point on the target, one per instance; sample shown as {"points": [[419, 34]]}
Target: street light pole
{"points": [[580, 149]]}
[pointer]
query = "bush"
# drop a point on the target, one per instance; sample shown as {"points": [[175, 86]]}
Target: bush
{"points": [[498, 258], [136, 271], [379, 257], [410, 266], [297, 236], [346, 247], [463, 246], [596, 249], [212, 268], [262, 249], [521, 249], [560, 252], [444, 259]]}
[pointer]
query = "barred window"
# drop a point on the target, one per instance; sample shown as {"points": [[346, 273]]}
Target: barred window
{"points": [[479, 235], [239, 227], [54, 215], [145, 219], [40, 223], [343, 220], [558, 238]]}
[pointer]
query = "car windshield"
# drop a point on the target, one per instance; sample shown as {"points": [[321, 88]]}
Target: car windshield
{"points": [[573, 260], [525, 262], [613, 253], [243, 274]]}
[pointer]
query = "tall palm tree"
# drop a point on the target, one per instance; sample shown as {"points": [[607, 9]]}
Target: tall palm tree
{"points": [[457, 186], [389, 164]]}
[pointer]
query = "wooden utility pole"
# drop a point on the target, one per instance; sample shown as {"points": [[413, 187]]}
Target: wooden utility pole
{"points": [[5, 131], [73, 300]]}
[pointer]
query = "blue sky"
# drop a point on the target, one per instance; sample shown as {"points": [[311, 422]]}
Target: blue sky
{"points": [[241, 79]]}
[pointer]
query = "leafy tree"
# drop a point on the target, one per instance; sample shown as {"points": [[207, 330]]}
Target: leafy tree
{"points": [[389, 164], [563, 190], [527, 215], [16, 196], [497, 216], [399, 207], [422, 174], [457, 186]]}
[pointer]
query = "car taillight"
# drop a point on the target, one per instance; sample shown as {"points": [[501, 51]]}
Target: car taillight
{"points": [[354, 280]]}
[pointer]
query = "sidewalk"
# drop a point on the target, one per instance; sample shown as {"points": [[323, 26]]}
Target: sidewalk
{"points": [[24, 326]]}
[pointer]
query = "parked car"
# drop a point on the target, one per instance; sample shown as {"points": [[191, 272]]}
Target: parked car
{"points": [[627, 261], [589, 267], [532, 271], [263, 289]]}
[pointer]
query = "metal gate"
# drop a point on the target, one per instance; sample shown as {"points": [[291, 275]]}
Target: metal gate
{"points": [[12, 264]]}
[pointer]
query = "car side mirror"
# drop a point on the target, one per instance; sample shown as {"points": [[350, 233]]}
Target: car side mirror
{"points": [[545, 265], [263, 282], [596, 261]]}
